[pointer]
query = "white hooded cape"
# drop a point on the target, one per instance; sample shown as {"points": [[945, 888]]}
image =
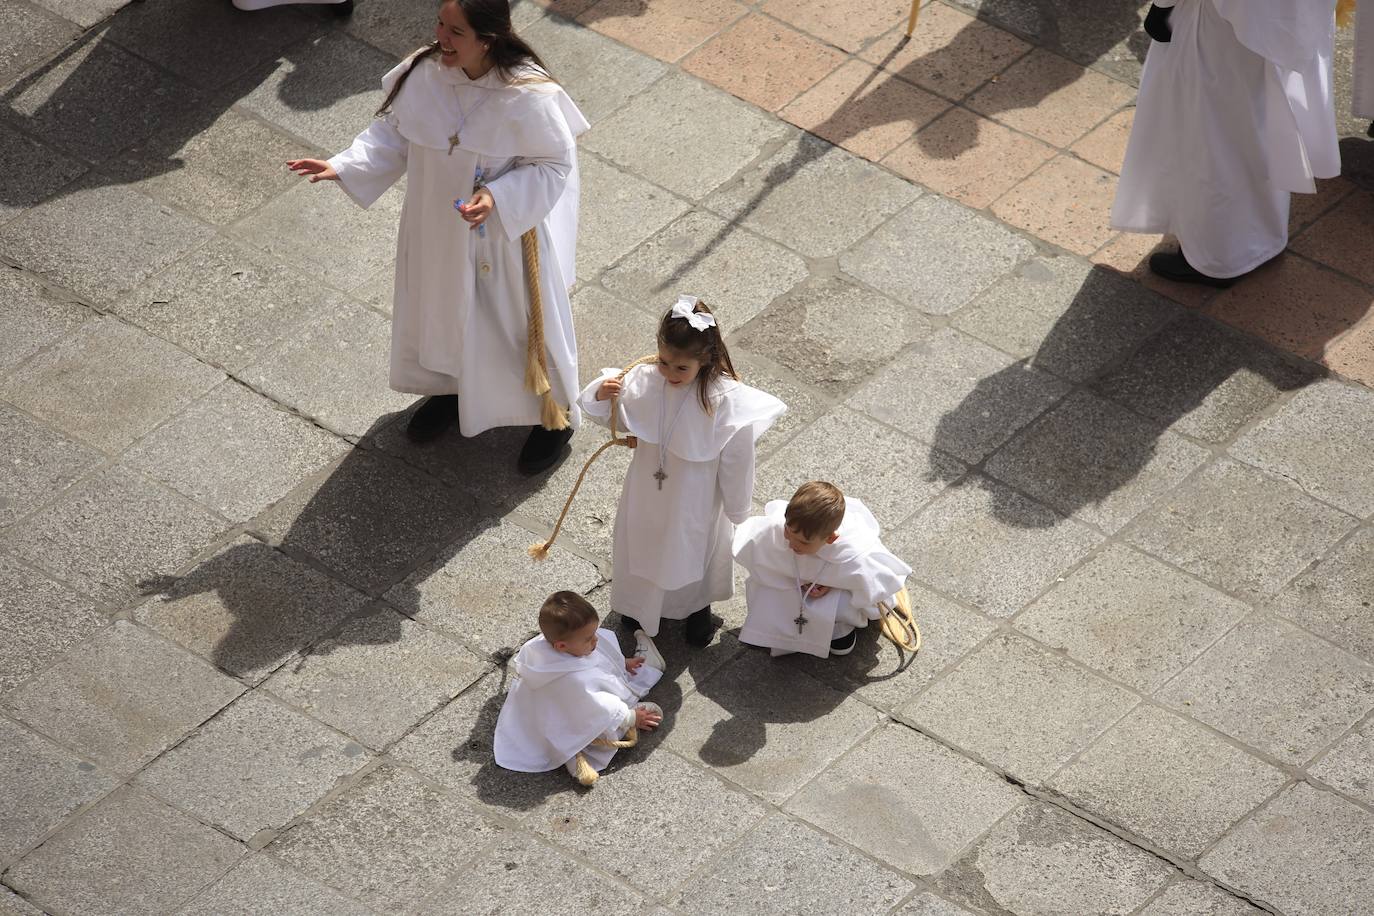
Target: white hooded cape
{"points": [[460, 301], [671, 554], [1233, 113], [857, 568], [559, 703]]}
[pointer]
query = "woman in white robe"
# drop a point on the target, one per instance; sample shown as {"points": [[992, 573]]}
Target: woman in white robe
{"points": [[487, 142], [692, 476], [1235, 111], [1362, 97]]}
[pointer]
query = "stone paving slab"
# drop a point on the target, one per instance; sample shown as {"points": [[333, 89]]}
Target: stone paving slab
{"points": [[916, 817], [1268, 856], [1349, 766], [123, 697], [1194, 898], [41, 315], [33, 171], [35, 462], [41, 618], [131, 854], [253, 767], [1333, 598], [43, 784], [260, 886]]}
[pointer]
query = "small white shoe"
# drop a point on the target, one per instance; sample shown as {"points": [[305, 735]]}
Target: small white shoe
{"points": [[645, 649]]}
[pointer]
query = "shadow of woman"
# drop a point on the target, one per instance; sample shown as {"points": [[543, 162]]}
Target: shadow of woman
{"points": [[1133, 385], [102, 105], [369, 527]]}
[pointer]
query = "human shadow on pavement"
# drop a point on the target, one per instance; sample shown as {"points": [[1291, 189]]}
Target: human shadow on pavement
{"points": [[126, 98], [1082, 416], [370, 527]]}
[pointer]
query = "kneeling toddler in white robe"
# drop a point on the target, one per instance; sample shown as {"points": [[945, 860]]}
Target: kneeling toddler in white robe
{"points": [[817, 571], [574, 693]]}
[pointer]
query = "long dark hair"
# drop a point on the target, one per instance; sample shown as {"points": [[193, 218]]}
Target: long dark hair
{"points": [[489, 21], [708, 346]]}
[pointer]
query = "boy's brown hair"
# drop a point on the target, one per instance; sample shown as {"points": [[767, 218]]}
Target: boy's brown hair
{"points": [[564, 613], [815, 510]]}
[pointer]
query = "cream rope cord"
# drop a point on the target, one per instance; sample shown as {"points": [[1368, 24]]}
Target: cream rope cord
{"points": [[541, 551], [551, 415]]}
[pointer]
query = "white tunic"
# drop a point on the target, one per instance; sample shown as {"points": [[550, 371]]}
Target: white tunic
{"points": [[857, 568], [559, 703], [1362, 99], [671, 553], [1233, 113], [460, 301]]}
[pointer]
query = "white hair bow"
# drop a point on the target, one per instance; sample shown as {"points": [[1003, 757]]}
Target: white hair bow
{"points": [[685, 307]]}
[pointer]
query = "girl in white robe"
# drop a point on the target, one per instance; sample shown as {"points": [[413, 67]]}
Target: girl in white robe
{"points": [[1235, 111], [1362, 95], [851, 564], [692, 475], [486, 157]]}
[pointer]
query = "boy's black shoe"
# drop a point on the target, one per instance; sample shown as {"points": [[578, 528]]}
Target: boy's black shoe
{"points": [[435, 415], [542, 449], [1172, 265], [698, 631], [845, 644]]}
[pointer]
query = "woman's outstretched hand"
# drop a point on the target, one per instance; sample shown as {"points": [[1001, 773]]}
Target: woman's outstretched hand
{"points": [[477, 208], [314, 169]]}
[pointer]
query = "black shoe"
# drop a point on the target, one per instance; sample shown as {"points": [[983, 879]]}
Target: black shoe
{"points": [[542, 449], [629, 624], [845, 644], [698, 630], [1172, 265], [435, 415], [344, 9]]}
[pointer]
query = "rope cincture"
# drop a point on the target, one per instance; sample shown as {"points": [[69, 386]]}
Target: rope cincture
{"points": [[899, 623], [585, 774], [551, 414], [541, 551]]}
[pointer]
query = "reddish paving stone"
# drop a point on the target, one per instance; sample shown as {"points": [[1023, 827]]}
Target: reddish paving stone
{"points": [[1344, 238], [1352, 355], [665, 29], [1051, 98], [1294, 305], [1066, 203], [1129, 253], [863, 109], [1305, 209], [1105, 146], [968, 158], [845, 25], [763, 62], [951, 53]]}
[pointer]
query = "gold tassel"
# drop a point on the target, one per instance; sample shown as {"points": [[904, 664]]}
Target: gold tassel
{"points": [[551, 414], [585, 774], [1345, 13]]}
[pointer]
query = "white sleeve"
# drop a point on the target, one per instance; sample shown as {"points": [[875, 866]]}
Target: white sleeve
{"points": [[525, 194], [735, 476], [373, 163], [600, 411]]}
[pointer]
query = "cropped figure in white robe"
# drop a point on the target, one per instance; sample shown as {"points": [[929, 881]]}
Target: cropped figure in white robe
{"points": [[1362, 96], [574, 693], [487, 143], [1235, 111], [692, 475], [817, 571]]}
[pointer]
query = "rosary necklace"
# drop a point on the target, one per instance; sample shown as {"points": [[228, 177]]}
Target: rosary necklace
{"points": [[661, 475], [800, 620], [453, 140]]}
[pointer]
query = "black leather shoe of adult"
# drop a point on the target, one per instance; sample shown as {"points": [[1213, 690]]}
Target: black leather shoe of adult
{"points": [[1172, 265], [343, 9], [629, 624], [542, 449], [698, 630], [435, 415]]}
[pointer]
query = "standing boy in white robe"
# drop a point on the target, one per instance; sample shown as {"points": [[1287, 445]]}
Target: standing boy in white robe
{"points": [[487, 142], [573, 687], [1235, 111], [817, 572], [1362, 96]]}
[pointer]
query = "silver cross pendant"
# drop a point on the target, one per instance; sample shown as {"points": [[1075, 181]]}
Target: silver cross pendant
{"points": [[660, 476]]}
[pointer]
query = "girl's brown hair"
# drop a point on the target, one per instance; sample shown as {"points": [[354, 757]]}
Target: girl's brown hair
{"points": [[708, 346], [490, 21]]}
